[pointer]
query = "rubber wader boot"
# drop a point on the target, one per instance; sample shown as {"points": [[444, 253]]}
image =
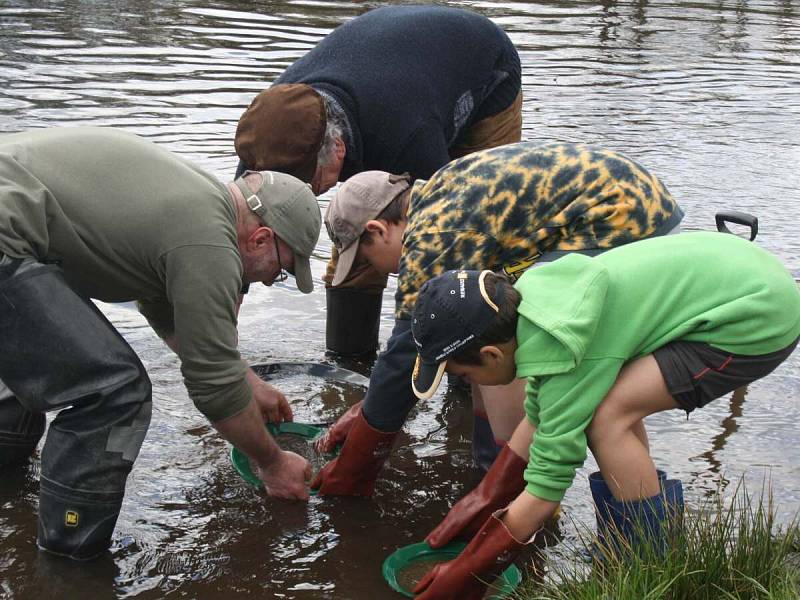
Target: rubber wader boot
{"points": [[20, 432], [353, 321], [73, 526], [639, 524], [58, 352], [20, 428]]}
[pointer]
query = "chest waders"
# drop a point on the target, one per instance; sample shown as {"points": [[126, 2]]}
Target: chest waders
{"points": [[59, 353], [353, 308], [353, 318]]}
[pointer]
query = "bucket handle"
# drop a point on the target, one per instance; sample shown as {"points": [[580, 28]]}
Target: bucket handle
{"points": [[738, 217]]}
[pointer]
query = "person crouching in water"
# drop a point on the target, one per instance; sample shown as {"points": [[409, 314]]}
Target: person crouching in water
{"points": [[665, 323]]}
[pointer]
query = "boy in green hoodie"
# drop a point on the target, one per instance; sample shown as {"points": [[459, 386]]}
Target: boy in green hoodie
{"points": [[665, 323]]}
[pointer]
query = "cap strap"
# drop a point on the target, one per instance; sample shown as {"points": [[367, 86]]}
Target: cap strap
{"points": [[254, 203]]}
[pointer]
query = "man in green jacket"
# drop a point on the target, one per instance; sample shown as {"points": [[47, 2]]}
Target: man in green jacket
{"points": [[665, 323], [98, 213]]}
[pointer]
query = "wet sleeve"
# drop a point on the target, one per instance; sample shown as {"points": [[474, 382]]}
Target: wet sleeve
{"points": [[390, 397], [430, 254], [562, 410], [203, 284], [424, 153]]}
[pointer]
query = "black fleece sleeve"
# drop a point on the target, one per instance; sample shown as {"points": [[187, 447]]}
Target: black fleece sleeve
{"points": [[424, 153], [390, 397]]}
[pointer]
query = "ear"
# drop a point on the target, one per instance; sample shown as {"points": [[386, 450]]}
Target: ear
{"points": [[260, 239], [377, 228], [339, 148], [491, 355]]}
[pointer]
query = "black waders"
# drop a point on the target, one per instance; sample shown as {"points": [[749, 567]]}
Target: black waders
{"points": [[353, 320], [59, 353]]}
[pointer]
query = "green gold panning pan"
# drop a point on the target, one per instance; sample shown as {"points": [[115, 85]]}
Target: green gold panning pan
{"points": [[406, 556], [242, 464], [307, 431]]}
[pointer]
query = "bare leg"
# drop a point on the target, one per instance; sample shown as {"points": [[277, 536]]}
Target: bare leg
{"points": [[617, 436], [641, 433], [504, 405]]}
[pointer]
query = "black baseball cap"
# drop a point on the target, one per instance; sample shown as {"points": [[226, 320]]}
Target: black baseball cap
{"points": [[451, 310]]}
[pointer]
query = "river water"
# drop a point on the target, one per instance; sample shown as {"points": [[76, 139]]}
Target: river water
{"points": [[704, 93]]}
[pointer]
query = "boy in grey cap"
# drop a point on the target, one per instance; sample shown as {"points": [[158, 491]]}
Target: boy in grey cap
{"points": [[75, 226]]}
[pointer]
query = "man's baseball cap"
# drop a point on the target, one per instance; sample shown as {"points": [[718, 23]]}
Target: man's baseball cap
{"points": [[451, 310], [282, 130], [288, 207], [359, 199]]}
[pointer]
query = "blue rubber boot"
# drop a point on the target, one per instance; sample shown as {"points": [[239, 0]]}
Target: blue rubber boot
{"points": [[623, 526], [601, 494]]}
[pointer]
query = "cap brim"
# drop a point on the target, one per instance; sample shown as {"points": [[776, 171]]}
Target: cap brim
{"points": [[346, 259], [426, 378], [302, 274]]}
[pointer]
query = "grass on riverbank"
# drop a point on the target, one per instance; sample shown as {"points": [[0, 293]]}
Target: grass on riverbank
{"points": [[722, 553]]}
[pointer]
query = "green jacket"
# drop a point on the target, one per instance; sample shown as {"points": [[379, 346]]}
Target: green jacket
{"points": [[581, 319], [127, 220]]}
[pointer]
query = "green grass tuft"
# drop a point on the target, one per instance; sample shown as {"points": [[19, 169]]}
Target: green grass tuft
{"points": [[733, 552]]}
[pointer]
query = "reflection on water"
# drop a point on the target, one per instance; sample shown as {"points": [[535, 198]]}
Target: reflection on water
{"points": [[728, 427], [704, 93]]}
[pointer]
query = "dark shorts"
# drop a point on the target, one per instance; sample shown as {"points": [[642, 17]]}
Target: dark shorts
{"points": [[696, 373]]}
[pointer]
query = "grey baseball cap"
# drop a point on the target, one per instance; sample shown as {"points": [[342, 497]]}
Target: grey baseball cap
{"points": [[360, 199], [288, 207]]}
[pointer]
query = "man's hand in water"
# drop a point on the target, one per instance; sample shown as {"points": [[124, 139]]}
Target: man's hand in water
{"points": [[287, 476], [270, 400]]}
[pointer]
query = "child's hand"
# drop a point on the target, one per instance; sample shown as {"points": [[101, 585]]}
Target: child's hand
{"points": [[491, 550], [447, 581], [337, 434]]}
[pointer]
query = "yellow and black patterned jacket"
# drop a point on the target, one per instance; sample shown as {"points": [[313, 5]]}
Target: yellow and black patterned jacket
{"points": [[507, 207], [504, 209]]}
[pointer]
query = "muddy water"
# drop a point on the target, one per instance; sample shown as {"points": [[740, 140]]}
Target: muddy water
{"points": [[707, 94]]}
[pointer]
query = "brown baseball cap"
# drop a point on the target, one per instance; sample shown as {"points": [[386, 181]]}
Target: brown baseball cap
{"points": [[360, 199], [282, 130]]}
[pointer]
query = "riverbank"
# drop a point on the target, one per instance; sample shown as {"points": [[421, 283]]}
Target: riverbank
{"points": [[730, 548]]}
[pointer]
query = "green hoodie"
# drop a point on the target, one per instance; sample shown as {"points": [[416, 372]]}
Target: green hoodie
{"points": [[581, 319]]}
